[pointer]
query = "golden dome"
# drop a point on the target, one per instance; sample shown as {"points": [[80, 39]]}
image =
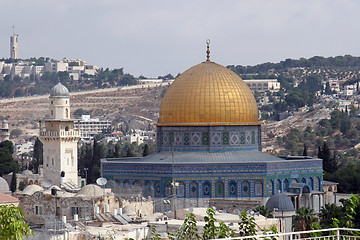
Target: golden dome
{"points": [[208, 94]]}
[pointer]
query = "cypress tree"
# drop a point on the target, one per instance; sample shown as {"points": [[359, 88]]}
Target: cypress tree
{"points": [[13, 182], [305, 150], [146, 150]]}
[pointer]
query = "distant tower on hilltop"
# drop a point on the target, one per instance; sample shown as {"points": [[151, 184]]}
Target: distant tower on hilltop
{"points": [[14, 51], [60, 141]]}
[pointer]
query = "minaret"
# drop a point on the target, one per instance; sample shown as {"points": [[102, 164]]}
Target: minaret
{"points": [[4, 131], [59, 140], [14, 46]]}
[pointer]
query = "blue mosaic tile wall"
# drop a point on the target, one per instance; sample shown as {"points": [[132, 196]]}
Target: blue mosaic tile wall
{"points": [[213, 138]]}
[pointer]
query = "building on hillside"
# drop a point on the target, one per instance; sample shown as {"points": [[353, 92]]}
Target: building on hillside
{"points": [[209, 149], [4, 131], [263, 85], [23, 147], [60, 140], [90, 127]]}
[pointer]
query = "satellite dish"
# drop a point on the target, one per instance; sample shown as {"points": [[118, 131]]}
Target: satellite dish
{"points": [[46, 183], [101, 181]]}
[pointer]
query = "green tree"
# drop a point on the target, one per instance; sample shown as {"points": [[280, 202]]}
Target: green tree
{"points": [[247, 225], [15, 132], [38, 154], [146, 150], [328, 212], [13, 182], [329, 162], [264, 211], [188, 230], [303, 219], [12, 224]]}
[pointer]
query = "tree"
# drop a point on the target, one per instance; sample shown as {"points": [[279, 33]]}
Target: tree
{"points": [[303, 219], [305, 151], [12, 224], [15, 132], [247, 225], [38, 154], [13, 182], [329, 163], [188, 230], [262, 210], [328, 212], [146, 150]]}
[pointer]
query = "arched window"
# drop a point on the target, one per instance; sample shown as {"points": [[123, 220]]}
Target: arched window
{"points": [[167, 187], [157, 187], [126, 184], [206, 189], [311, 183], [271, 187], [279, 186], [194, 192], [258, 188], [137, 183], [245, 189], [148, 189], [232, 189], [66, 128], [219, 189], [66, 113], [286, 185], [181, 190]]}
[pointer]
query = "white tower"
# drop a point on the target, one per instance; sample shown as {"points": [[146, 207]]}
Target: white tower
{"points": [[4, 131], [14, 46], [60, 140]]}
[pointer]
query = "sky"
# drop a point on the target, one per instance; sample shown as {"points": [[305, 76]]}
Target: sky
{"points": [[157, 37]]}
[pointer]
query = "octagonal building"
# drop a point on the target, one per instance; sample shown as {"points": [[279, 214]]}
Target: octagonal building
{"points": [[209, 149]]}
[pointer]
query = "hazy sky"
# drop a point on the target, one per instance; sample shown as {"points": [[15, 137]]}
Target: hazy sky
{"points": [[156, 37]]}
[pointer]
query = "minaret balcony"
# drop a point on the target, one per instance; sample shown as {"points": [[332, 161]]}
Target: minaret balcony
{"points": [[71, 133]]}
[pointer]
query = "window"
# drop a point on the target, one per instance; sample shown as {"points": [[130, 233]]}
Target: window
{"points": [[232, 189], [245, 189], [219, 189], [207, 189], [258, 188], [271, 187], [193, 189], [38, 210]]}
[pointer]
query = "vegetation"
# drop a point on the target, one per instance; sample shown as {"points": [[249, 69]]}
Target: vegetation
{"points": [[90, 155], [12, 224], [7, 163], [211, 230]]}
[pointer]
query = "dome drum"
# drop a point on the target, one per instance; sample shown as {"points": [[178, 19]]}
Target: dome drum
{"points": [[210, 138]]}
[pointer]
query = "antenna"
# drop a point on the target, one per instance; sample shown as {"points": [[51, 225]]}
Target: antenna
{"points": [[13, 29]]}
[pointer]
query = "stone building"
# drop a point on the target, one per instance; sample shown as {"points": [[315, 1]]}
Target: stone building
{"points": [[40, 205]]}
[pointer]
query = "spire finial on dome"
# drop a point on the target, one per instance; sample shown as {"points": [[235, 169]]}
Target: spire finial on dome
{"points": [[208, 50]]}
